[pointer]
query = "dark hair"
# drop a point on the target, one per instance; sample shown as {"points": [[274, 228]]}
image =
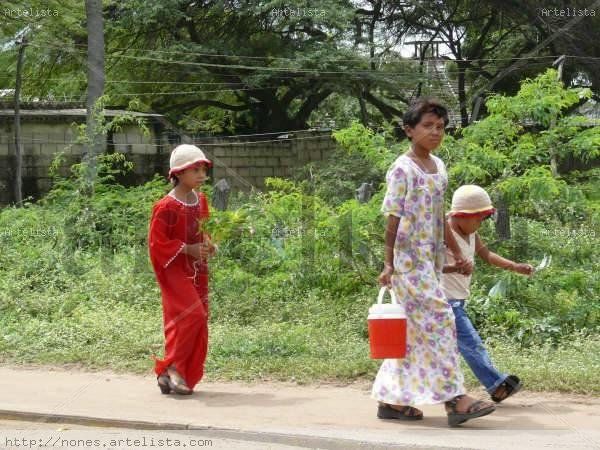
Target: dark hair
{"points": [[421, 106], [174, 180]]}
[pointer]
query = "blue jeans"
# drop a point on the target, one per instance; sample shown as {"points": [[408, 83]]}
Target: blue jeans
{"points": [[471, 348]]}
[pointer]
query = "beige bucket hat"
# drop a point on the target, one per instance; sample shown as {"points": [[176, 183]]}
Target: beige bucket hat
{"points": [[185, 156], [471, 199]]}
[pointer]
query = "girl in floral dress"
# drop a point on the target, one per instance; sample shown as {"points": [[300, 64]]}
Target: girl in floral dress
{"points": [[414, 259]]}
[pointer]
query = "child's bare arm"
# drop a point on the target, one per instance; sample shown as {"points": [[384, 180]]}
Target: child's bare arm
{"points": [[391, 230], [498, 261], [461, 265], [451, 243]]}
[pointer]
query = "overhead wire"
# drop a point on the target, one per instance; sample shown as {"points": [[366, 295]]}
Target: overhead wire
{"points": [[366, 59], [262, 68], [195, 139]]}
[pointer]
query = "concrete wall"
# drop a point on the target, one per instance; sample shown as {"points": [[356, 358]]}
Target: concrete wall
{"points": [[42, 142], [244, 162]]}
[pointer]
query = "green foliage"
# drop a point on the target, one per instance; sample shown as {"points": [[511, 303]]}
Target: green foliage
{"points": [[478, 165], [297, 265], [515, 151], [556, 302], [497, 131], [586, 144], [282, 303], [357, 139], [535, 189], [108, 219], [541, 100]]}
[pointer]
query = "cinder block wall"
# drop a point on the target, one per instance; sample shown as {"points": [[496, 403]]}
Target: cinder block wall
{"points": [[42, 142], [245, 163]]}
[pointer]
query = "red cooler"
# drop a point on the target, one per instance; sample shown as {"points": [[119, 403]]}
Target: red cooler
{"points": [[387, 328]]}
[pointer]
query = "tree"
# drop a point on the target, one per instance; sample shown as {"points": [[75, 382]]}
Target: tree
{"points": [[514, 161], [57, 38], [265, 70], [237, 66], [482, 42], [575, 32]]}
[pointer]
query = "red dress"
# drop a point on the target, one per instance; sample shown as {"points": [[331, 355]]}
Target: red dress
{"points": [[183, 282]]}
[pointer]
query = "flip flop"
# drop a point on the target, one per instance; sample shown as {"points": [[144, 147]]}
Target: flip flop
{"points": [[512, 384], [455, 418], [406, 413]]}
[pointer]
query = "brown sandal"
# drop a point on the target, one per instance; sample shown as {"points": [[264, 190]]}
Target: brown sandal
{"points": [[476, 409], [385, 411]]}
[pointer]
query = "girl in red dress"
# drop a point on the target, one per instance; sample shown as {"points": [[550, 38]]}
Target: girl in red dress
{"points": [[179, 254]]}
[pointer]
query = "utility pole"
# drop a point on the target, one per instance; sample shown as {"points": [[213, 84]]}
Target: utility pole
{"points": [[95, 90], [560, 61], [18, 149]]}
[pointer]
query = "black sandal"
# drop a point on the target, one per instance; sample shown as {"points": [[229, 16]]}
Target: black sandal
{"points": [[163, 383], [473, 411], [385, 411], [511, 386]]}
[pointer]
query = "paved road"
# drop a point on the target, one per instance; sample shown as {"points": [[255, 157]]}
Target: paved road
{"points": [[276, 415], [26, 435]]}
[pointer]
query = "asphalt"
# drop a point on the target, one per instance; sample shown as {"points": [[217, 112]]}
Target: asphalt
{"points": [[282, 415]]}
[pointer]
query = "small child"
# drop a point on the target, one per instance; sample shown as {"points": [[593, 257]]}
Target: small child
{"points": [[470, 206], [179, 254]]}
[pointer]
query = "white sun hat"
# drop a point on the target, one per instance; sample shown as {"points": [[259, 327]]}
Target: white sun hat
{"points": [[185, 156], [471, 199]]}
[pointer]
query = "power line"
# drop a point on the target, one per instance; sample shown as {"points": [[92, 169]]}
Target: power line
{"points": [[365, 72], [78, 99], [83, 80], [365, 59], [583, 57], [423, 76], [196, 140]]}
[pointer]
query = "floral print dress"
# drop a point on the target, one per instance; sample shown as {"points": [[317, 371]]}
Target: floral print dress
{"points": [[430, 372]]}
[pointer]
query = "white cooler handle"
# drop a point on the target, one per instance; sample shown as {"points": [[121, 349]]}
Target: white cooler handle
{"points": [[382, 293]]}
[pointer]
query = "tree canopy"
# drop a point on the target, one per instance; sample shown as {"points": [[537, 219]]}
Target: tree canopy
{"points": [[236, 66]]}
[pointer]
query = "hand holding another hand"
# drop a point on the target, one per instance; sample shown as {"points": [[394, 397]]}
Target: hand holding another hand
{"points": [[464, 267]]}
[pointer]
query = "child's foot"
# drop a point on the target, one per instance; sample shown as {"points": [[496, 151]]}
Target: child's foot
{"points": [[177, 383], [462, 408], [509, 387], [398, 412], [163, 383]]}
